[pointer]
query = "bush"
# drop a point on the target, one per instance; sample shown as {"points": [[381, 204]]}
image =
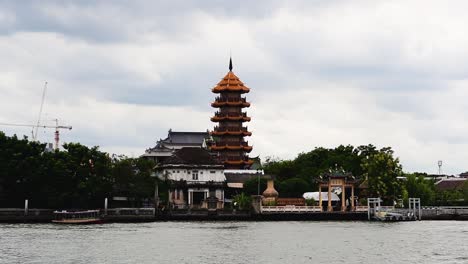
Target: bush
{"points": [[269, 203], [242, 201], [251, 186], [293, 188], [310, 202], [363, 201]]}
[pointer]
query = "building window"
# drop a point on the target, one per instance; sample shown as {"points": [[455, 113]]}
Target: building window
{"points": [[201, 172], [212, 172], [177, 171], [178, 194], [194, 175]]}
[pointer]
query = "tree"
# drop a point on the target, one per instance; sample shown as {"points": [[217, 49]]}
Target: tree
{"points": [[251, 186], [465, 192], [294, 187], [416, 186], [381, 170]]}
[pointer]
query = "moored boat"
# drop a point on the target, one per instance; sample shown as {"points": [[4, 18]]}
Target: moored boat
{"points": [[77, 217]]}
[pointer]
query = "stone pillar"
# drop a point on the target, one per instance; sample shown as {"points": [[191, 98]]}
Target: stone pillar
{"points": [[320, 197], [352, 198], [105, 206], [26, 207], [343, 198], [330, 208], [189, 197], [156, 197]]}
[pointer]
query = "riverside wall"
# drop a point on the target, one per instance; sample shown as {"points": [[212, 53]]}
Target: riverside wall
{"points": [[19, 215]]}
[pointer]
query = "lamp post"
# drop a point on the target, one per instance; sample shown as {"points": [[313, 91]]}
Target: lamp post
{"points": [[258, 182]]}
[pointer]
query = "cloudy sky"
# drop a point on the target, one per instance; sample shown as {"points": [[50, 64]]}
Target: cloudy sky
{"points": [[321, 73]]}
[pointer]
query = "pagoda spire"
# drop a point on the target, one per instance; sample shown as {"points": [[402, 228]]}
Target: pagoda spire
{"points": [[230, 64]]}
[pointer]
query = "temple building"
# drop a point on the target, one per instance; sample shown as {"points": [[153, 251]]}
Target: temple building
{"points": [[174, 141], [197, 179], [228, 136], [338, 183]]}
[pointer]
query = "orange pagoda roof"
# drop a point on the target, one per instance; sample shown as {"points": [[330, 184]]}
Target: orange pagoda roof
{"points": [[230, 83]]}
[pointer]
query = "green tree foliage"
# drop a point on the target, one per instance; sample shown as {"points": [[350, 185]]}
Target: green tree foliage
{"points": [[242, 201], [453, 197], [251, 186], [381, 170], [77, 177], [417, 186], [465, 192], [293, 187], [378, 165], [132, 178]]}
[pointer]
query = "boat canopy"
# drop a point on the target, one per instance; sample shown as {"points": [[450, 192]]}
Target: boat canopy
{"points": [[315, 196]]}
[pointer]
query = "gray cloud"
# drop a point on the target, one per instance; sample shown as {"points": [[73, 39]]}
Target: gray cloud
{"points": [[322, 73]]}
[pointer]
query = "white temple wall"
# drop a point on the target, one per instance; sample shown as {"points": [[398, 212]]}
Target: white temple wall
{"points": [[190, 175]]}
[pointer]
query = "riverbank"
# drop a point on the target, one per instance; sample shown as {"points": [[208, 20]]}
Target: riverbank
{"points": [[16, 215]]}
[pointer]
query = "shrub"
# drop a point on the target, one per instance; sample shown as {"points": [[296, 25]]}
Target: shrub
{"points": [[310, 202]]}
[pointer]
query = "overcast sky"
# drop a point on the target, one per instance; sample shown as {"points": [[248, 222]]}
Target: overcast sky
{"points": [[321, 73]]}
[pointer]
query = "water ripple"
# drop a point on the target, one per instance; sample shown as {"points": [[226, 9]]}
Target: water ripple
{"points": [[236, 242]]}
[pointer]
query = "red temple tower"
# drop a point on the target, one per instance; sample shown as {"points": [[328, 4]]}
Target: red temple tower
{"points": [[228, 135]]}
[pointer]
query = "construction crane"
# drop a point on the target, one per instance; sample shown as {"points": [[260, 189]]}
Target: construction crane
{"points": [[57, 127], [34, 134]]}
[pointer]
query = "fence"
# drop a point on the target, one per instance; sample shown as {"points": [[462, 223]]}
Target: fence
{"points": [[290, 209], [131, 211], [290, 201]]}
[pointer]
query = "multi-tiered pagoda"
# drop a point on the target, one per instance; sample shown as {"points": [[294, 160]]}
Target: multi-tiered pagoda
{"points": [[228, 135]]}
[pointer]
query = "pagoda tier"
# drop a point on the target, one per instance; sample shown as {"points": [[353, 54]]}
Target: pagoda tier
{"points": [[231, 146], [230, 116], [220, 101], [233, 131], [236, 162], [228, 135]]}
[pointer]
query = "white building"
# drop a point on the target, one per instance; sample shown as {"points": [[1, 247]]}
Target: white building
{"points": [[196, 178]]}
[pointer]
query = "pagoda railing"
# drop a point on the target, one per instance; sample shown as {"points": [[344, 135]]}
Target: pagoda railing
{"points": [[230, 114], [233, 129], [226, 143], [245, 158], [234, 100]]}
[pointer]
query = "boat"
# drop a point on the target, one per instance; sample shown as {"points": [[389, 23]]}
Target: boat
{"points": [[77, 217]]}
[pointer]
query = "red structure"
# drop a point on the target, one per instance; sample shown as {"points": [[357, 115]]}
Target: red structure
{"points": [[228, 135]]}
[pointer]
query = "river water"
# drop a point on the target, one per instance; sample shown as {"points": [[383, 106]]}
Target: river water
{"points": [[237, 242]]}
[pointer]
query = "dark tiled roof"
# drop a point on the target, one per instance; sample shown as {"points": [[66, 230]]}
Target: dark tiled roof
{"points": [[180, 139], [450, 184], [193, 156], [192, 138]]}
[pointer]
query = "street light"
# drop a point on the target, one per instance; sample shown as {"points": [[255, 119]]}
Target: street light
{"points": [[258, 182]]}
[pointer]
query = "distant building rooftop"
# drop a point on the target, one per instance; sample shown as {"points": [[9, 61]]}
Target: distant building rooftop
{"points": [[176, 140], [450, 184], [192, 156]]}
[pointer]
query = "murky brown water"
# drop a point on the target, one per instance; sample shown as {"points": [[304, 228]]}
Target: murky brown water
{"points": [[237, 242]]}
